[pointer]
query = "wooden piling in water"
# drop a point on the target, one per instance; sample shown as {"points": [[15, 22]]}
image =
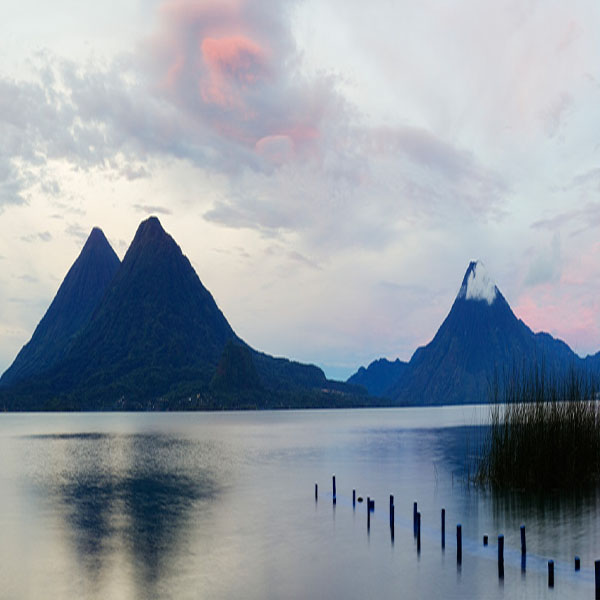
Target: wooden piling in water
{"points": [[550, 573], [353, 498], [418, 532], [415, 518], [485, 540], [392, 510], [597, 578], [316, 491], [459, 544], [577, 563], [501, 556], [523, 542], [443, 528], [334, 491], [368, 512]]}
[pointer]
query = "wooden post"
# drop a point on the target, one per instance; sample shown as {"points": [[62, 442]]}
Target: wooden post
{"points": [[353, 498], [368, 512], [485, 540], [415, 518], [334, 494], [577, 563], [597, 577], [459, 544], [443, 528], [419, 532], [392, 510], [501, 556], [523, 543], [316, 491], [550, 573]]}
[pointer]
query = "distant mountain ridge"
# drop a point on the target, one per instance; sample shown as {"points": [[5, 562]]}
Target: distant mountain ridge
{"points": [[380, 375], [480, 339], [156, 339]]}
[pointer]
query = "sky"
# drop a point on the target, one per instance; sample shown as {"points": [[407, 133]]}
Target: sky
{"points": [[329, 169]]}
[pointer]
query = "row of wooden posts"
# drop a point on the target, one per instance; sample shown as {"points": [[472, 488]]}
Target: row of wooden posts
{"points": [[417, 534]]}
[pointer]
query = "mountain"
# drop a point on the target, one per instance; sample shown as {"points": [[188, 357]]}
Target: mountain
{"points": [[380, 375], [77, 297], [479, 341], [157, 340]]}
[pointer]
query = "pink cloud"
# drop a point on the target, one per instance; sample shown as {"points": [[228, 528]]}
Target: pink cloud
{"points": [[234, 64], [276, 148], [232, 67], [563, 312]]}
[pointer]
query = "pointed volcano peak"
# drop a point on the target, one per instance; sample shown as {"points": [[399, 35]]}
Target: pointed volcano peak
{"points": [[150, 229], [72, 307], [477, 284], [97, 242], [150, 237], [96, 235]]}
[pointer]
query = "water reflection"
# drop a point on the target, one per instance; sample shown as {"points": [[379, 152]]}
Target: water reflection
{"points": [[127, 498], [560, 524]]}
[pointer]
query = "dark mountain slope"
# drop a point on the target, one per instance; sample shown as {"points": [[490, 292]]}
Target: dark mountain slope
{"points": [[76, 299], [157, 340], [479, 340], [380, 376], [157, 324]]}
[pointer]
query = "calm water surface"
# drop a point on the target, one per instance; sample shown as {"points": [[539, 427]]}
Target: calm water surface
{"points": [[139, 506]]}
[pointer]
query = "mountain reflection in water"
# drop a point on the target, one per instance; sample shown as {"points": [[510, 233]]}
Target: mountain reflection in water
{"points": [[128, 498]]}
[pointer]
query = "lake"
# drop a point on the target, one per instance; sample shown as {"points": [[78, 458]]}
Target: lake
{"points": [[222, 505]]}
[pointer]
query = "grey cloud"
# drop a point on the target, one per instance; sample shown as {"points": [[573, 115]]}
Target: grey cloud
{"points": [[152, 209], [555, 114], [28, 278], [131, 172], [462, 176], [51, 188], [44, 236], [546, 266], [77, 231], [294, 158], [366, 192], [304, 260], [11, 183], [584, 218], [590, 178]]}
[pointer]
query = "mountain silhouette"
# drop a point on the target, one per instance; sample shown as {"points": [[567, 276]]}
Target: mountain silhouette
{"points": [[74, 303], [480, 341], [157, 340], [380, 375]]}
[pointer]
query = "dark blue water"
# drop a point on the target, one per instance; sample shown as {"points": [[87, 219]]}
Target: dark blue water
{"points": [[222, 506]]}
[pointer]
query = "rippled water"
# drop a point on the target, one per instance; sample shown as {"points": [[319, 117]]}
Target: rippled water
{"points": [[222, 506]]}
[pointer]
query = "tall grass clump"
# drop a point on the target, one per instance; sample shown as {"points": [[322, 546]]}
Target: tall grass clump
{"points": [[544, 432]]}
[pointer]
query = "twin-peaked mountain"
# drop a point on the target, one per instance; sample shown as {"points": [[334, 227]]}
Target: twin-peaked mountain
{"points": [[480, 340], [147, 334]]}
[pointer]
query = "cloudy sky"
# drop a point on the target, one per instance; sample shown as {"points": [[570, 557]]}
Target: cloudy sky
{"points": [[329, 170]]}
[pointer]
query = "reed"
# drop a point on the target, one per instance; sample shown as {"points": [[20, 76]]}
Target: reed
{"points": [[544, 432]]}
